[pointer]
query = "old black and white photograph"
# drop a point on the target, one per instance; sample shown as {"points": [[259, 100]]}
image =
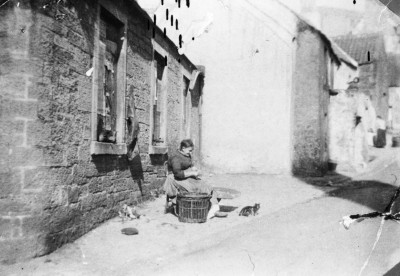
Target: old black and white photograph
{"points": [[203, 137]]}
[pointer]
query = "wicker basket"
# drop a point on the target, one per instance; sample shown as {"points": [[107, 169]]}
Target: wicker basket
{"points": [[193, 208]]}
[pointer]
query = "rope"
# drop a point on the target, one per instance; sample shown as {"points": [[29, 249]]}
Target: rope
{"points": [[4, 3], [386, 215], [378, 236]]}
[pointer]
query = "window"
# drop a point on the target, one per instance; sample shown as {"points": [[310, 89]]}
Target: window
{"points": [[186, 108], [109, 83], [332, 74], [110, 33], [329, 78], [159, 100]]}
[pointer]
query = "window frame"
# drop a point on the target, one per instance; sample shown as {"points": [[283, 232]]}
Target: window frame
{"points": [[96, 147], [162, 148], [186, 126]]}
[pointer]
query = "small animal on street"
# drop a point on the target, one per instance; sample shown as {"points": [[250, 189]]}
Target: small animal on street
{"points": [[250, 210], [127, 212]]}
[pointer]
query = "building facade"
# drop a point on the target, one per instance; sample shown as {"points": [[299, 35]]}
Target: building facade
{"points": [[93, 98], [266, 94], [369, 51], [316, 59]]}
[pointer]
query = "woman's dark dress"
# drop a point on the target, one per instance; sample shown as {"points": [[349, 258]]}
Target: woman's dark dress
{"points": [[176, 181]]}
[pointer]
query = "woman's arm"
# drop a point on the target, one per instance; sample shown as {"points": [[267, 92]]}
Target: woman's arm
{"points": [[179, 172], [190, 172]]}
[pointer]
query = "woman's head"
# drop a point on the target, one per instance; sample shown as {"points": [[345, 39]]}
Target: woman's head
{"points": [[186, 146]]}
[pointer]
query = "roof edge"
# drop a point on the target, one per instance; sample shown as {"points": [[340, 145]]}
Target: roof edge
{"points": [[315, 29], [346, 58], [160, 33]]}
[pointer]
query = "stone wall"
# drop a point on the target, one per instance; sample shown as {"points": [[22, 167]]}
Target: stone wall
{"points": [[310, 105], [52, 190]]}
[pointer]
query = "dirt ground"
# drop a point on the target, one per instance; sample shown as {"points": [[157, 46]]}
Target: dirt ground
{"points": [[105, 251]]}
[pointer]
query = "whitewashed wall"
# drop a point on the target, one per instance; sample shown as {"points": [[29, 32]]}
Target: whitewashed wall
{"points": [[248, 57], [248, 54], [343, 75]]}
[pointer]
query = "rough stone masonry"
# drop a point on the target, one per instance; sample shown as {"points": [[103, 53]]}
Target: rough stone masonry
{"points": [[52, 189]]}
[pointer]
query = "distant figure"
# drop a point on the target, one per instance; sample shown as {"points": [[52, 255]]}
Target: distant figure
{"points": [[380, 138], [360, 146]]}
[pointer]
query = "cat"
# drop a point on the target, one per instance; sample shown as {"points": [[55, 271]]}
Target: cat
{"points": [[250, 210], [127, 212], [107, 136]]}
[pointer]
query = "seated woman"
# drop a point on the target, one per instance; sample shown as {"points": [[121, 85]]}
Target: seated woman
{"points": [[185, 176]]}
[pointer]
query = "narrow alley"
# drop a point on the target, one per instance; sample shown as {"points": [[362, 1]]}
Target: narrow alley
{"points": [[203, 137], [297, 232]]}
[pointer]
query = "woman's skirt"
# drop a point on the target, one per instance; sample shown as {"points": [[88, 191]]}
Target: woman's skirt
{"points": [[172, 186]]}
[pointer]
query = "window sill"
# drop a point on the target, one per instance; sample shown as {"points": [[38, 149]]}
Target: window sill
{"points": [[98, 148], [158, 150]]}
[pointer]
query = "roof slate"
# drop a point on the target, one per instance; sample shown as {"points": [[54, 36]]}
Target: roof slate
{"points": [[358, 46]]}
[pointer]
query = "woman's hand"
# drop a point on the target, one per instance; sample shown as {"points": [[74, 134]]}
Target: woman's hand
{"points": [[197, 170], [195, 173], [192, 173]]}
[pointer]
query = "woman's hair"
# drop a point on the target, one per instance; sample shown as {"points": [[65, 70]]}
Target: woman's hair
{"points": [[187, 143]]}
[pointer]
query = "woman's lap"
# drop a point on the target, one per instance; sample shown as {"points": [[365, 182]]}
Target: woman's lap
{"points": [[173, 186]]}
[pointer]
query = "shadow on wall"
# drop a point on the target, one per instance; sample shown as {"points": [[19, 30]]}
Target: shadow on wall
{"points": [[64, 224], [158, 159], [135, 167], [135, 163], [197, 91], [109, 163]]}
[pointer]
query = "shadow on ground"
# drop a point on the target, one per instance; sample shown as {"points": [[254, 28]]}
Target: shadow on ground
{"points": [[226, 208], [395, 271], [373, 192]]}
